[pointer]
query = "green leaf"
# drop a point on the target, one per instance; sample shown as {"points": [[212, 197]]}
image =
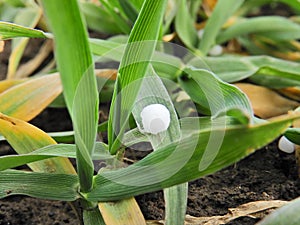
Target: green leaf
{"points": [[293, 134], [8, 11], [93, 217], [282, 29], [129, 9], [266, 70], [108, 49], [98, 19], [176, 204], [170, 14], [12, 30], [68, 136], [133, 66], [120, 20], [286, 214], [180, 162], [292, 3], [199, 83], [194, 8], [222, 11], [152, 91], [104, 20], [62, 150], [61, 187], [185, 27], [166, 65], [188, 125], [85, 123], [75, 65]]}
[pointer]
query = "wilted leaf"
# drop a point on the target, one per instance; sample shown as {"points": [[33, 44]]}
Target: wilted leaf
{"points": [[28, 99], [29, 67], [2, 43], [288, 214], [27, 17], [251, 209], [6, 84], [265, 102], [25, 138], [208, 6], [291, 92], [115, 212], [107, 73]]}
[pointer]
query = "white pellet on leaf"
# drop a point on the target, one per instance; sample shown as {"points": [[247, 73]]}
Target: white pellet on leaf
{"points": [[200, 33], [155, 118], [216, 50], [285, 145]]}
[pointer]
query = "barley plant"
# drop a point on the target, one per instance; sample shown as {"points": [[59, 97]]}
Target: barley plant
{"points": [[171, 85]]}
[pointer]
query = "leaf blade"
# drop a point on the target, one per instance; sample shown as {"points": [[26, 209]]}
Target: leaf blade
{"points": [[77, 74], [222, 11], [28, 99], [132, 181], [25, 138], [39, 185], [141, 45]]}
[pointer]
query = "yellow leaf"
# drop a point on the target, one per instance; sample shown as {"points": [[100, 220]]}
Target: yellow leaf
{"points": [[28, 17], [208, 6], [29, 67], [107, 73], [15, 56], [121, 212], [291, 92], [265, 102], [6, 84], [2, 43], [25, 138], [28, 99]]}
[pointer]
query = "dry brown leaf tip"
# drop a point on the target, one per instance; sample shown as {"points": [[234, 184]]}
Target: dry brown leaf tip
{"points": [[265, 102]]}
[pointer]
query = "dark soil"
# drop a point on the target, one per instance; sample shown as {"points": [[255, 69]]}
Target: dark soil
{"points": [[20, 210], [4, 60]]}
